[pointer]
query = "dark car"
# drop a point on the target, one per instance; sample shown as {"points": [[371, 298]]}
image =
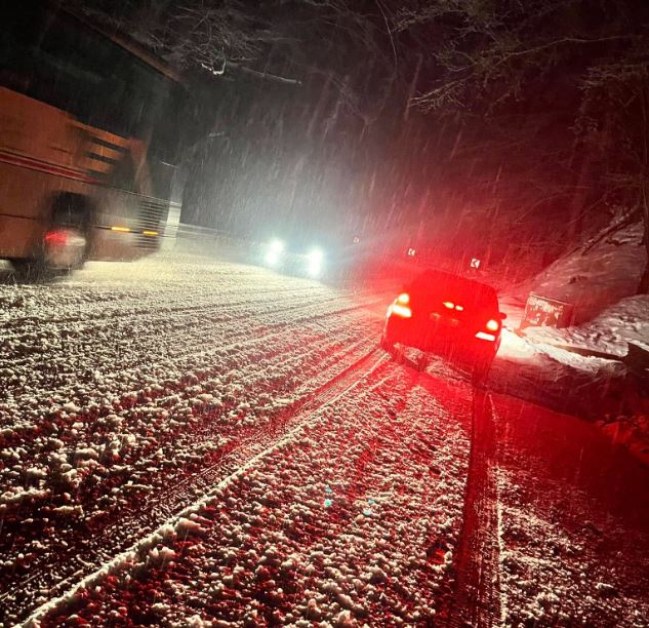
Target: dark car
{"points": [[318, 256], [448, 315], [298, 256]]}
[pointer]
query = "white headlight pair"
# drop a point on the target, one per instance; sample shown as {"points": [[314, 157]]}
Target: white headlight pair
{"points": [[314, 258]]}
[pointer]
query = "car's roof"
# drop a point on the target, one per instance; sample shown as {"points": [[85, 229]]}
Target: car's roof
{"points": [[431, 275], [438, 283]]}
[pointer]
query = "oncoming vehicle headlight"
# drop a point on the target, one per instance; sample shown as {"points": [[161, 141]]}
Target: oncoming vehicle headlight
{"points": [[274, 252], [315, 262]]}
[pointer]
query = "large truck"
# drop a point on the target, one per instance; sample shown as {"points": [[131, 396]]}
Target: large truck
{"points": [[87, 142]]}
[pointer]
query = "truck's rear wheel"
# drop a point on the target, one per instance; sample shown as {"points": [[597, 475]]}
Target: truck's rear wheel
{"points": [[64, 249], [64, 246], [66, 242]]}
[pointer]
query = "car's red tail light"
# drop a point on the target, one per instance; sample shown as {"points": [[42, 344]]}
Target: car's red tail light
{"points": [[400, 310], [492, 325], [400, 306]]}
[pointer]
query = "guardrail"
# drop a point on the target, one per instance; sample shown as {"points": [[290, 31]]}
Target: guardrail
{"points": [[206, 241], [195, 231]]}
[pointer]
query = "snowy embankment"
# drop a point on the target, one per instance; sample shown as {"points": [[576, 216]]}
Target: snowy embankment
{"points": [[569, 367]]}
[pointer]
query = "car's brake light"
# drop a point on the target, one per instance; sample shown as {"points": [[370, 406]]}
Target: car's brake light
{"points": [[492, 325], [453, 306], [400, 310], [400, 306]]}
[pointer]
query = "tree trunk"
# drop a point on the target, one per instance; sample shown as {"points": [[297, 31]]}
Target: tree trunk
{"points": [[575, 222], [413, 87], [643, 288]]}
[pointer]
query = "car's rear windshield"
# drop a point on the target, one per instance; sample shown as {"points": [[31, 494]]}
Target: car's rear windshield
{"points": [[470, 294]]}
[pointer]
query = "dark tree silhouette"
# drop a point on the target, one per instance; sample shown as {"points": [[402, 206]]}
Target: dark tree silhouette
{"points": [[578, 67]]}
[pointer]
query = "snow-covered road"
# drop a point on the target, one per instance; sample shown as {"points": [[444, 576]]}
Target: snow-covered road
{"points": [[187, 441]]}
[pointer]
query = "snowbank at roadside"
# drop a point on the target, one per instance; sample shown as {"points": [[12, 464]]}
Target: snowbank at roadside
{"points": [[599, 279]]}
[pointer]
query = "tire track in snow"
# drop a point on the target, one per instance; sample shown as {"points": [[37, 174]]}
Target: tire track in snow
{"points": [[287, 419], [476, 597], [142, 355], [309, 312], [400, 582], [130, 399], [334, 362], [150, 515], [297, 416], [90, 315]]}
